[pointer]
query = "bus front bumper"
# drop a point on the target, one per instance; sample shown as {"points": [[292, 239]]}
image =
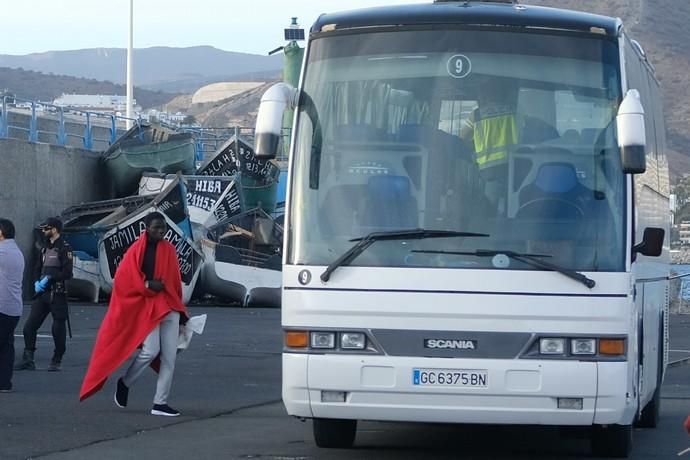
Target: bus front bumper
{"points": [[514, 391]]}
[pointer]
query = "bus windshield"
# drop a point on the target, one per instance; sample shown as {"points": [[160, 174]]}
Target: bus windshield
{"points": [[507, 134]]}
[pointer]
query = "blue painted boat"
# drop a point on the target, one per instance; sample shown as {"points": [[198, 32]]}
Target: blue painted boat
{"points": [[85, 224]]}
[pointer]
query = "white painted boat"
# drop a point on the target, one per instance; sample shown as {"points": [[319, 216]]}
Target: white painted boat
{"points": [[226, 275], [116, 241], [209, 198], [86, 278]]}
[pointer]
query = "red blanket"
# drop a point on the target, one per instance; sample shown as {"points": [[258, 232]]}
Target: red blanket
{"points": [[134, 311]]}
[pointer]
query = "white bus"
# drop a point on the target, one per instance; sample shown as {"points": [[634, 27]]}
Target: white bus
{"points": [[476, 213]]}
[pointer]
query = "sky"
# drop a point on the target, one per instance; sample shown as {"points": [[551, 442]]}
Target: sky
{"points": [[248, 26]]}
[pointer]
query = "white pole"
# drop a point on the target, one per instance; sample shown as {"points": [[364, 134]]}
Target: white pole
{"points": [[130, 47]]}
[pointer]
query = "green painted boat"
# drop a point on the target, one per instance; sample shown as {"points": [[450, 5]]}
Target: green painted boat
{"points": [[147, 148]]}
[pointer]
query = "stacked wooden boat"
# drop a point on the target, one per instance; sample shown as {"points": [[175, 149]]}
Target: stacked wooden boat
{"points": [[100, 232], [148, 148], [221, 217]]}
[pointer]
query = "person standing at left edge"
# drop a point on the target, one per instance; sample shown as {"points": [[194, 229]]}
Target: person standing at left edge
{"points": [[52, 269], [11, 273]]}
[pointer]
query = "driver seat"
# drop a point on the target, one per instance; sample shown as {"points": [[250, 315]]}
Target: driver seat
{"points": [[556, 193]]}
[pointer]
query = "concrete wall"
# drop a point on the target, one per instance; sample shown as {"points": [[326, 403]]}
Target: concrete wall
{"points": [[40, 180]]}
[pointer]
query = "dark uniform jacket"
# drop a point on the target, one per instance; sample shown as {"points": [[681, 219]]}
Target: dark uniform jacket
{"points": [[55, 261]]}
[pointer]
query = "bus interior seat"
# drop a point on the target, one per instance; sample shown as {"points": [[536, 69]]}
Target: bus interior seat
{"points": [[571, 136], [555, 192], [340, 209], [451, 165], [390, 204]]}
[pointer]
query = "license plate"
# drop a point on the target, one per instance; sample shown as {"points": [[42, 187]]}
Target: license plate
{"points": [[450, 377]]}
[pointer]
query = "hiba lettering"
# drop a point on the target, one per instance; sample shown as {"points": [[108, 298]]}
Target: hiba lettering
{"points": [[210, 186]]}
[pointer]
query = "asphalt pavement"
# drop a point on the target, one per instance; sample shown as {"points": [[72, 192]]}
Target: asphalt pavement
{"points": [[227, 387]]}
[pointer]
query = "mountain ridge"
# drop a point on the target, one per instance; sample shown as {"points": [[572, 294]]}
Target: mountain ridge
{"points": [[154, 67]]}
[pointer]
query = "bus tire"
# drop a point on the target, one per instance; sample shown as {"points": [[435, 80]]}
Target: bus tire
{"points": [[613, 441], [334, 433]]}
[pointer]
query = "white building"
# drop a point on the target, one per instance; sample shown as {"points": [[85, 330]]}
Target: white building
{"points": [[684, 232], [94, 102], [165, 117]]}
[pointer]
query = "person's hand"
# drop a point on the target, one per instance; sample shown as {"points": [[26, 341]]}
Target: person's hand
{"points": [[156, 285], [40, 286]]}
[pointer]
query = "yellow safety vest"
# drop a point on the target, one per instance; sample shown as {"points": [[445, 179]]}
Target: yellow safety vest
{"points": [[492, 138]]}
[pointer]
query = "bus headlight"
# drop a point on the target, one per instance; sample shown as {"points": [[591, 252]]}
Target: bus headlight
{"points": [[552, 346], [353, 341], [322, 340], [583, 346]]}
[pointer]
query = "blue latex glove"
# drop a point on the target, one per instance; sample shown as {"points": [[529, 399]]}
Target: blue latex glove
{"points": [[40, 286]]}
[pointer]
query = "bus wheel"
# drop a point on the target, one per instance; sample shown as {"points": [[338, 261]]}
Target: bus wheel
{"points": [[611, 440], [334, 433]]}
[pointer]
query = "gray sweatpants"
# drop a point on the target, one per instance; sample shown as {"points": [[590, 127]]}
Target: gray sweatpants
{"points": [[163, 340]]}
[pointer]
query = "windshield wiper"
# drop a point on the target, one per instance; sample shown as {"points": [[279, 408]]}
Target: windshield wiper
{"points": [[364, 242], [529, 259]]}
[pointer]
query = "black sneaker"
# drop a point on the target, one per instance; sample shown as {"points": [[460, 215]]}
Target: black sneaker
{"points": [[121, 394], [165, 410], [6, 389], [25, 366]]}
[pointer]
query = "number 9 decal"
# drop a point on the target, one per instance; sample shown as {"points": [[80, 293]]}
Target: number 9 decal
{"points": [[459, 66], [304, 277]]}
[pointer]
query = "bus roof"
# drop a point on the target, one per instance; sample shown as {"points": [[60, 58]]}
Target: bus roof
{"points": [[469, 13]]}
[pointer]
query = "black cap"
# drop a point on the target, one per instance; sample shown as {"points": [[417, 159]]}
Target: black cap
{"points": [[52, 222]]}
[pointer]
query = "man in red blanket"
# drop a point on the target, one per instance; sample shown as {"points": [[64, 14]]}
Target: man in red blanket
{"points": [[145, 306]]}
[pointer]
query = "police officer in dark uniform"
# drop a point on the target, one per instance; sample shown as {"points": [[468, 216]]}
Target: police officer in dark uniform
{"points": [[52, 269]]}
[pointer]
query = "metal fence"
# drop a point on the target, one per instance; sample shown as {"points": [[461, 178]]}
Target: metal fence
{"points": [[36, 121]]}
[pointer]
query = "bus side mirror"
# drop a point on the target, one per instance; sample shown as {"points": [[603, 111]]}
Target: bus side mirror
{"points": [[631, 133], [652, 242], [269, 120]]}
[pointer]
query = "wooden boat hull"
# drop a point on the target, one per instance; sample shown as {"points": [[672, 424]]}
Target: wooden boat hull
{"points": [[258, 178], [85, 224], [86, 280], [209, 198], [116, 241], [131, 156], [250, 286]]}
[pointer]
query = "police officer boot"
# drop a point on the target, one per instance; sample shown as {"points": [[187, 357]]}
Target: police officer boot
{"points": [[55, 363], [27, 363]]}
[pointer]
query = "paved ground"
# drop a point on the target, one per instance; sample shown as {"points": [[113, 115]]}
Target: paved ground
{"points": [[227, 387]]}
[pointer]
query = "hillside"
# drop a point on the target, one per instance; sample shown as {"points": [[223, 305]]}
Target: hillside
{"points": [[157, 68], [239, 110], [38, 86], [661, 26]]}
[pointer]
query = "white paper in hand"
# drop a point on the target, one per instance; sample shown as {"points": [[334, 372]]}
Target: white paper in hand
{"points": [[195, 324]]}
